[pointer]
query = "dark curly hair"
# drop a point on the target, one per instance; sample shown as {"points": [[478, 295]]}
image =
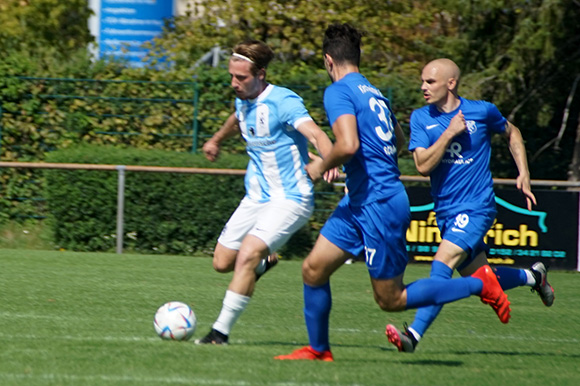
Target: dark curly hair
{"points": [[342, 42]]}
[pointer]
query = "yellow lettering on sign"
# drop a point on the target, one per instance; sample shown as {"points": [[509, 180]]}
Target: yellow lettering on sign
{"points": [[512, 237], [421, 231], [426, 231]]}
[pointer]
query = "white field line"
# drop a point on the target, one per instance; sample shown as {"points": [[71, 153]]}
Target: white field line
{"points": [[82, 337], [117, 379], [35, 316], [153, 338]]}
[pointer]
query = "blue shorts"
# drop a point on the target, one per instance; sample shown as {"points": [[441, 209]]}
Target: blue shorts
{"points": [[378, 228], [467, 230]]}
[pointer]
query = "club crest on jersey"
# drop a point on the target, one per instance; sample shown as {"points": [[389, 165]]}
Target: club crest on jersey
{"points": [[262, 121], [471, 126]]}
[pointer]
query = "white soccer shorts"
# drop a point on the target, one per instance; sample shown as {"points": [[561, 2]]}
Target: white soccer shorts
{"points": [[272, 222]]}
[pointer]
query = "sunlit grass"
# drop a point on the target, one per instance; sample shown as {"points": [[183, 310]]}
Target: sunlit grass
{"points": [[87, 319]]}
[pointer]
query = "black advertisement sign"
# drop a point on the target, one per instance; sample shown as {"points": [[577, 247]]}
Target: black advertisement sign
{"points": [[518, 237]]}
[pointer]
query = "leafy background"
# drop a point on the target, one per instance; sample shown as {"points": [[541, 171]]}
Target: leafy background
{"points": [[523, 55]]}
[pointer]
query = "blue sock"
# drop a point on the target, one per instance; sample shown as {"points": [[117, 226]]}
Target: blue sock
{"points": [[317, 305], [426, 315], [428, 292], [510, 277], [440, 270]]}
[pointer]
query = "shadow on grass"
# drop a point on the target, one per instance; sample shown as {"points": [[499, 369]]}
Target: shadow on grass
{"points": [[431, 362], [302, 344], [421, 362], [515, 353]]}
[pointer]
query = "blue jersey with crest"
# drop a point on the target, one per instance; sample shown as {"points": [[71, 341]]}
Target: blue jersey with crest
{"points": [[462, 180], [372, 173], [278, 152]]}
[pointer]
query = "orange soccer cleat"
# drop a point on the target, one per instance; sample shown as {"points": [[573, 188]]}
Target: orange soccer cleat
{"points": [[307, 353], [403, 340], [492, 293]]}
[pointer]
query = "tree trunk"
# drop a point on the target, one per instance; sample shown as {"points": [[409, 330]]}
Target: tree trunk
{"points": [[574, 171]]}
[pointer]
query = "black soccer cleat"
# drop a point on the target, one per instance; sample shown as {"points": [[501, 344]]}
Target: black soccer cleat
{"points": [[213, 337], [266, 264], [542, 287]]}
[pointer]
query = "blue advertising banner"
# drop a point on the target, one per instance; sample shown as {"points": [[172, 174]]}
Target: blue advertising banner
{"points": [[122, 26], [518, 237]]}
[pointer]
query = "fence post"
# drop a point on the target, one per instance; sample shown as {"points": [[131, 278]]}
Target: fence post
{"points": [[120, 207], [0, 129], [195, 133]]}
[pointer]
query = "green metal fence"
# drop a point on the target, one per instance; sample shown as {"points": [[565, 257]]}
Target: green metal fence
{"points": [[42, 114], [145, 113], [38, 115]]}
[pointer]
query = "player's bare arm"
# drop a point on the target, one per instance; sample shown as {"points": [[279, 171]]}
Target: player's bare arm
{"points": [[427, 159], [345, 146], [400, 136], [321, 143], [518, 151], [229, 129]]}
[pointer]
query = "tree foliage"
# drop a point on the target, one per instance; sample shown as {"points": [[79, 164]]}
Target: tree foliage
{"points": [[397, 32], [523, 55], [31, 24]]}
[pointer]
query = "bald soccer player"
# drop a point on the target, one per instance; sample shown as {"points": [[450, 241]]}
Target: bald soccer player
{"points": [[451, 143]]}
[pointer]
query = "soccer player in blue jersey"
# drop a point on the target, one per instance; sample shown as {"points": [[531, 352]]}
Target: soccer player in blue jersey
{"points": [[279, 195], [374, 215], [451, 143]]}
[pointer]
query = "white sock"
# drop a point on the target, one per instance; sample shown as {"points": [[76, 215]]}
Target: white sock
{"points": [[415, 333], [233, 306], [531, 278]]}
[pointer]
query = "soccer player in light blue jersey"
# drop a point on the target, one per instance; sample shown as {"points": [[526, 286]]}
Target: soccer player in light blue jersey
{"points": [[374, 215], [451, 143], [279, 194]]}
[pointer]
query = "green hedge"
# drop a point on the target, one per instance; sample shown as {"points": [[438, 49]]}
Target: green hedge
{"points": [[165, 213]]}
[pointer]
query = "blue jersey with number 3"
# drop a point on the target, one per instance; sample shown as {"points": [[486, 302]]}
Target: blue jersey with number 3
{"points": [[372, 173]]}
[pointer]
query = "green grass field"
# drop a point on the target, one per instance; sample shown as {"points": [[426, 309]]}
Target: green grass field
{"points": [[86, 319]]}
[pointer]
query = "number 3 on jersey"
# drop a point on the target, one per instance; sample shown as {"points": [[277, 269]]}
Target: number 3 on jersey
{"points": [[380, 107]]}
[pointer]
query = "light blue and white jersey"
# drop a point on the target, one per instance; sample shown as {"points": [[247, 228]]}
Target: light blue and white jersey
{"points": [[278, 152], [462, 180]]}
